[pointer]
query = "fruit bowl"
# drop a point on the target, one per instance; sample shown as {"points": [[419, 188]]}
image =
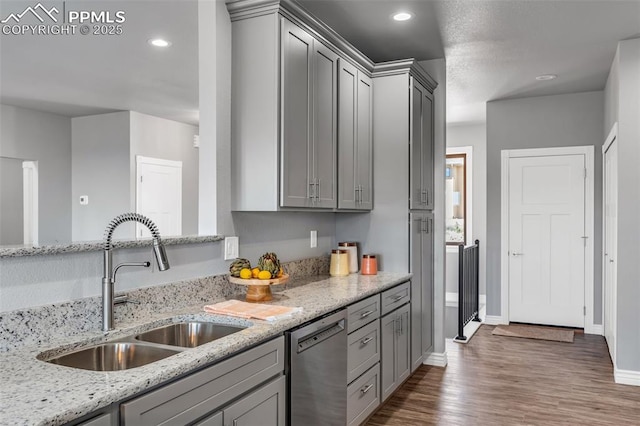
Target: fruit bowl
{"points": [[259, 290]]}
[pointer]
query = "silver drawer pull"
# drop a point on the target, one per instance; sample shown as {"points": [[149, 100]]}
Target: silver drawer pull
{"points": [[395, 299], [366, 314], [365, 341], [366, 388]]}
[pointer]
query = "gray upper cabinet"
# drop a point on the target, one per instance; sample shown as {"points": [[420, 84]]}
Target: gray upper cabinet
{"points": [[422, 144], [309, 121], [355, 138]]}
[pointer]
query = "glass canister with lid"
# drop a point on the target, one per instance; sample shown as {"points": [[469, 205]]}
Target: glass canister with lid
{"points": [[339, 266], [369, 264], [352, 248]]}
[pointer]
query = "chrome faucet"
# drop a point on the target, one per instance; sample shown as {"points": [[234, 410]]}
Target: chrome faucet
{"points": [[108, 279]]}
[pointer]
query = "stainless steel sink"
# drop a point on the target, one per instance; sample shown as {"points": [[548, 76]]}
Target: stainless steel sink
{"points": [[188, 334], [113, 356]]}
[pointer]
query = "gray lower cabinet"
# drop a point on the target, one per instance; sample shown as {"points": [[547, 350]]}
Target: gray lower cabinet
{"points": [[102, 420], [421, 229], [363, 396], [264, 406], [209, 390], [395, 365]]}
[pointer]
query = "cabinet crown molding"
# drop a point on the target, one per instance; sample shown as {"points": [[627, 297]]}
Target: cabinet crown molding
{"points": [[404, 66], [245, 9]]}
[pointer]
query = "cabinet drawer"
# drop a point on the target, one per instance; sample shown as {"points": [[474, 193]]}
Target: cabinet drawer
{"points": [[363, 312], [194, 396], [395, 297], [363, 350], [363, 396]]}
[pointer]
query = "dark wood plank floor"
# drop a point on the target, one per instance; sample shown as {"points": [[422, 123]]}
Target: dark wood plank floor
{"points": [[495, 380]]}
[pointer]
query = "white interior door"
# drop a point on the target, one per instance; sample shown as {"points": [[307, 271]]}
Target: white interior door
{"points": [[159, 195], [610, 197], [546, 248]]}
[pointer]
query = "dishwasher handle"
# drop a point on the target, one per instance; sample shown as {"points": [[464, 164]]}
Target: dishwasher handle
{"points": [[309, 341]]}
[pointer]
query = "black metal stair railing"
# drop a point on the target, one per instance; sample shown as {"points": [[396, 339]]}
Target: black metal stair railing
{"points": [[468, 286]]}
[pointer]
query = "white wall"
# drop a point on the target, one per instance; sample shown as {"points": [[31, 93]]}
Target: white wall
{"points": [[46, 138], [541, 122], [623, 105], [475, 136], [169, 140], [100, 164], [11, 202]]}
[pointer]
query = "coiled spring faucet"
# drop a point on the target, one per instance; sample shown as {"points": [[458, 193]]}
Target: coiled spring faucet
{"points": [[108, 279]]}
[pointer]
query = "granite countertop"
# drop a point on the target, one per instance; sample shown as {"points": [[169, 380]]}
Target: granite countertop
{"points": [[34, 392]]}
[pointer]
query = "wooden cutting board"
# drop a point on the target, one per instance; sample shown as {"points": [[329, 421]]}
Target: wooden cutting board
{"points": [[240, 309]]}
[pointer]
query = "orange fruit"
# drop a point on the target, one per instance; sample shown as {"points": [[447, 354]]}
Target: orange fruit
{"points": [[255, 272]]}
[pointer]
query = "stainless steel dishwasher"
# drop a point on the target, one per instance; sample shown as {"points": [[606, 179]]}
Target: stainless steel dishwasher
{"points": [[317, 374]]}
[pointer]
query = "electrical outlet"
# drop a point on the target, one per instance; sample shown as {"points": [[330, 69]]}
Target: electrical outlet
{"points": [[314, 239], [231, 248]]}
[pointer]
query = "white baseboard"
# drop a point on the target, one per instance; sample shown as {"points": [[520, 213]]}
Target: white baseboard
{"points": [[495, 320], [626, 377], [451, 298], [594, 329], [469, 330], [436, 359]]}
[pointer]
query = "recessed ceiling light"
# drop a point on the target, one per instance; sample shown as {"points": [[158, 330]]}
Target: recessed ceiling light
{"points": [[402, 16], [158, 42], [546, 77]]}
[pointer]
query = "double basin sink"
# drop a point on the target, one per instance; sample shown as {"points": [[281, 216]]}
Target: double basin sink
{"points": [[145, 348]]}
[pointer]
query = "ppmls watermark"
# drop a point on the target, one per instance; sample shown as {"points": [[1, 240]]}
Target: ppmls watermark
{"points": [[57, 20]]}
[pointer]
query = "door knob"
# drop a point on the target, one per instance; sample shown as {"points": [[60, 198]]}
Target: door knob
{"points": [[516, 254]]}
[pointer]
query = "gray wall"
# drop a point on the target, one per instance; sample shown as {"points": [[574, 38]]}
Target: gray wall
{"points": [[474, 135], [100, 158], [623, 93], [541, 122], [169, 140], [11, 202], [46, 138]]}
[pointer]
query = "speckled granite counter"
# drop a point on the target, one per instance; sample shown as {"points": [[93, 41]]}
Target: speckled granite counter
{"points": [[34, 392]]}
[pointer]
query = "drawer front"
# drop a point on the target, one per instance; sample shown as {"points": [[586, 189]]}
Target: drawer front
{"points": [[395, 297], [363, 396], [363, 312], [194, 396], [364, 350]]}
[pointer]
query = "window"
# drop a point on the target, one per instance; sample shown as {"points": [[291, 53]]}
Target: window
{"points": [[457, 198]]}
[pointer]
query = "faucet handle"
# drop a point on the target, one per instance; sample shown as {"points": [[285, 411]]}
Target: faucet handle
{"points": [[123, 298]]}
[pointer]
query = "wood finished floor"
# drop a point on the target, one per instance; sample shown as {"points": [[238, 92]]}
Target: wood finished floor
{"points": [[496, 380]]}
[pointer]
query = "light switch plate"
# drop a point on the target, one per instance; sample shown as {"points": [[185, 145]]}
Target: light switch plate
{"points": [[314, 239], [231, 248]]}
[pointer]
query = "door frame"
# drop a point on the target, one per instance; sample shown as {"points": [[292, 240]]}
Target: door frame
{"points": [[611, 138], [506, 155]]}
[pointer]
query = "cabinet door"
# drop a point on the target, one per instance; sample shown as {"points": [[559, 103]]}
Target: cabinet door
{"points": [[418, 200], [214, 420], [427, 148], [264, 407], [426, 258], [388, 331], [296, 167], [364, 144], [347, 135], [416, 229], [403, 344], [325, 117]]}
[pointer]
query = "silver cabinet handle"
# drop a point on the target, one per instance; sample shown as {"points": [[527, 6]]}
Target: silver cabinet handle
{"points": [[318, 189], [516, 254], [366, 314], [430, 227], [423, 196], [366, 388], [365, 341], [423, 225], [395, 299], [312, 189]]}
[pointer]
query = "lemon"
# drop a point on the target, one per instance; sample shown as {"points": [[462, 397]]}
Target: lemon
{"points": [[255, 272], [245, 273], [264, 275]]}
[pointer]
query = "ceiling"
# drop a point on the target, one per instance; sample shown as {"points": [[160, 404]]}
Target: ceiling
{"points": [[76, 75], [493, 50]]}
